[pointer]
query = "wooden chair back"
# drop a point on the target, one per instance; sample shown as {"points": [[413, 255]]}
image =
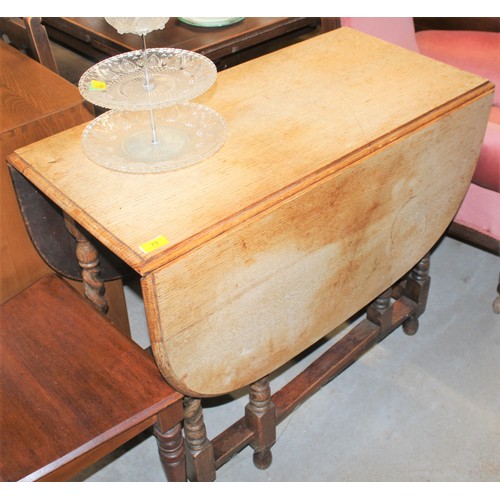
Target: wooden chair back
{"points": [[30, 36]]}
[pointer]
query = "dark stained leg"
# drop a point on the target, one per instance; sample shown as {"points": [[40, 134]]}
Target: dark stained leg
{"points": [[260, 417], [171, 450], [88, 258], [496, 302], [417, 290], [380, 312]]}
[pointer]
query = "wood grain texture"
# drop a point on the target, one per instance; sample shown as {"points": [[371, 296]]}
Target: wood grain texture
{"points": [[246, 302], [71, 386], [29, 88]]}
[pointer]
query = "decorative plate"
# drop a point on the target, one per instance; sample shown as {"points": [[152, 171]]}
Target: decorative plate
{"points": [[123, 140], [210, 22], [175, 76]]}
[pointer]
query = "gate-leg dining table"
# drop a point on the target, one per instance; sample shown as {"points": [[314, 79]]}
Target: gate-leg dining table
{"points": [[345, 160]]}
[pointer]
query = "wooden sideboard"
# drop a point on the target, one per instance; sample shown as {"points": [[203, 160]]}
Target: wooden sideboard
{"points": [[226, 45]]}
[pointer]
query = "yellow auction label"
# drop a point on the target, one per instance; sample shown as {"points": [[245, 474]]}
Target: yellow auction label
{"points": [[154, 244], [97, 85]]}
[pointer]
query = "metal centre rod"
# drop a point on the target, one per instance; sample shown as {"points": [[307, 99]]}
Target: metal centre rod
{"points": [[149, 86]]}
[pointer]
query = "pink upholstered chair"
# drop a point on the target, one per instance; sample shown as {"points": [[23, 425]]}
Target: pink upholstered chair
{"points": [[478, 219]]}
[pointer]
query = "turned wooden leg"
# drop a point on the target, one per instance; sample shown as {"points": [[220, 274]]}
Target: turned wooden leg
{"points": [[417, 289], [380, 313], [200, 461], [496, 302], [260, 416], [171, 450], [88, 258]]}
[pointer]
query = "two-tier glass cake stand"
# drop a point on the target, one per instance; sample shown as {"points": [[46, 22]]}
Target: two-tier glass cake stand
{"points": [[152, 126]]}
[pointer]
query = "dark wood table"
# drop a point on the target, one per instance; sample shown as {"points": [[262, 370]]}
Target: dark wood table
{"points": [[34, 103], [226, 46]]}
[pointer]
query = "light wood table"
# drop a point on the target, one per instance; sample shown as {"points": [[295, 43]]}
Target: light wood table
{"points": [[346, 159]]}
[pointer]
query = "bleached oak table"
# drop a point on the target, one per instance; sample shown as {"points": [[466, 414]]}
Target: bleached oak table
{"points": [[346, 159]]}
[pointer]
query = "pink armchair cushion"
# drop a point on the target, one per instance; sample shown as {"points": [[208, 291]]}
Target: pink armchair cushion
{"points": [[495, 114], [487, 173], [474, 51], [479, 53], [480, 211], [397, 30]]}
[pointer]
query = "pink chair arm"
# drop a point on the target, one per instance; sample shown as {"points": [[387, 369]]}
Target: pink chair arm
{"points": [[487, 173], [474, 51], [480, 211]]}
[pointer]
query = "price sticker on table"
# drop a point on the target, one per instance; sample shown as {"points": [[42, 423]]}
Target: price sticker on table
{"points": [[97, 85], [154, 244]]}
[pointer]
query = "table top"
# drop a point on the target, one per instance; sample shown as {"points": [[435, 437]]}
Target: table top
{"points": [[293, 116], [19, 75], [102, 40]]}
